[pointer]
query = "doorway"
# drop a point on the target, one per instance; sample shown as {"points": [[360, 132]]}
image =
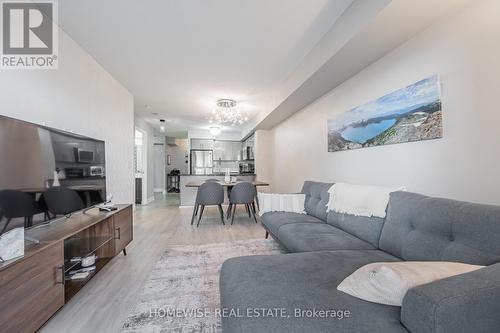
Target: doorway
{"points": [[159, 168], [141, 167]]}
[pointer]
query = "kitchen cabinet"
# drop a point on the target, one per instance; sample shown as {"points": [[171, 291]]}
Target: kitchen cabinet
{"points": [[227, 150], [205, 144]]}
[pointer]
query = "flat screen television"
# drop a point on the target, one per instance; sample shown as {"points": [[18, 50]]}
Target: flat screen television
{"points": [[34, 158]]}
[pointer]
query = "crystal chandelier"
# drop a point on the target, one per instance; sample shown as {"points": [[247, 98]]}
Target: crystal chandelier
{"points": [[227, 113]]}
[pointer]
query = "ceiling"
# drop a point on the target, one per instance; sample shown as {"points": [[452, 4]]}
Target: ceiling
{"points": [[389, 24], [177, 57]]}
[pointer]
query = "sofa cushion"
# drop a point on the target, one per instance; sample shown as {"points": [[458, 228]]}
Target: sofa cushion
{"points": [[388, 282], [304, 281], [316, 198], [421, 228], [305, 237], [272, 221], [366, 228]]}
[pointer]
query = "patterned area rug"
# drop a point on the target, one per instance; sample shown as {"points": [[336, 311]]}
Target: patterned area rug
{"points": [[182, 292]]}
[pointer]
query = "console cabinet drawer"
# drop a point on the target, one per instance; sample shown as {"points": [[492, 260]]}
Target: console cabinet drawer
{"points": [[123, 222], [32, 290]]}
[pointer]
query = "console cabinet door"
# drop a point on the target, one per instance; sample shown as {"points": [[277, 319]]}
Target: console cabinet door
{"points": [[32, 290], [123, 228]]}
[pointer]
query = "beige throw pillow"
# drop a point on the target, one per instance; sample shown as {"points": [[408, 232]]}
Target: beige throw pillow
{"points": [[388, 282]]}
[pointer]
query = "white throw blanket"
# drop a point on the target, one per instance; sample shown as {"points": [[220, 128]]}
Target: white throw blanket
{"points": [[271, 202], [360, 200]]}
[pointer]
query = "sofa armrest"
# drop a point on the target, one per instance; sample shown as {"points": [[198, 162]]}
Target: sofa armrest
{"points": [[464, 303]]}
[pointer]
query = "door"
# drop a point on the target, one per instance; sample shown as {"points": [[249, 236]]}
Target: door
{"points": [[140, 163]]}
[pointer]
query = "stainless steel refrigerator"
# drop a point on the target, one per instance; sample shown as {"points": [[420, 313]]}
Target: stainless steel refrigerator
{"points": [[201, 162]]}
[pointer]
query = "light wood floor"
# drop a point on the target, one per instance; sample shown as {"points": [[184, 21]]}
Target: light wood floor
{"points": [[104, 303]]}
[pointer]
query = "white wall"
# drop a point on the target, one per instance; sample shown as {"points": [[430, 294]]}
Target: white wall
{"points": [[79, 97], [263, 155], [465, 164]]}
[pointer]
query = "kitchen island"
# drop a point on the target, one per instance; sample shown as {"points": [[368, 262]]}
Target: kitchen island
{"points": [[188, 194]]}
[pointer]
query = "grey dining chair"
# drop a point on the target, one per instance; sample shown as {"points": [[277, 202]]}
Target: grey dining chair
{"points": [[242, 194], [209, 194], [256, 197]]}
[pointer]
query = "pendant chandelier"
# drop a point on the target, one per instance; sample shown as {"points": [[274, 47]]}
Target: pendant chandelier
{"points": [[227, 113]]}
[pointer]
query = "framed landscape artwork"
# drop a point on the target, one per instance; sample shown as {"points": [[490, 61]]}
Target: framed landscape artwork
{"points": [[408, 114]]}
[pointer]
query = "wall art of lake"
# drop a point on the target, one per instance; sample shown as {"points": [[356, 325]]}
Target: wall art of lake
{"points": [[361, 134], [409, 114]]}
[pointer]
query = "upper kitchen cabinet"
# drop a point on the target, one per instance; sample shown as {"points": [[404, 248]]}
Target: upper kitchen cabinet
{"points": [[204, 144], [99, 154], [227, 150], [248, 148], [236, 150]]}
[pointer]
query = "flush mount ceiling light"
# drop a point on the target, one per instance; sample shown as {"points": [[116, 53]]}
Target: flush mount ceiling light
{"points": [[215, 130], [226, 112]]}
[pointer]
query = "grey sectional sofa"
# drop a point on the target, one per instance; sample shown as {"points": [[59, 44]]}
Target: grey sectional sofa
{"points": [[284, 293]]}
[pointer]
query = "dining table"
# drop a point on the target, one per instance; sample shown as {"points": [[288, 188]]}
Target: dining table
{"points": [[229, 184]]}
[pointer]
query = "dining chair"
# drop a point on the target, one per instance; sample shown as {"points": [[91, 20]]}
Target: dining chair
{"points": [[209, 194], [17, 204], [242, 194], [256, 196], [61, 200]]}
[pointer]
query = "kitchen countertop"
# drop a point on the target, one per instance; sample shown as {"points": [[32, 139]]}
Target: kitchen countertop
{"points": [[188, 194], [219, 175]]}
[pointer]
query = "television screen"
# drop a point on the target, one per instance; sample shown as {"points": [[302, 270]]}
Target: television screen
{"points": [[34, 159]]}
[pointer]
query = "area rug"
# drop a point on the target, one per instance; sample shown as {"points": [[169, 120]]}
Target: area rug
{"points": [[182, 292]]}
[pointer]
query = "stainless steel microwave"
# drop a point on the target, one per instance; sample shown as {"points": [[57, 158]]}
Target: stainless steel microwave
{"points": [[84, 156]]}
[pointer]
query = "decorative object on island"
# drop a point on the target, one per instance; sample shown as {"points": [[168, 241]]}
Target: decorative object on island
{"points": [[409, 114], [227, 176], [227, 112], [56, 182]]}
